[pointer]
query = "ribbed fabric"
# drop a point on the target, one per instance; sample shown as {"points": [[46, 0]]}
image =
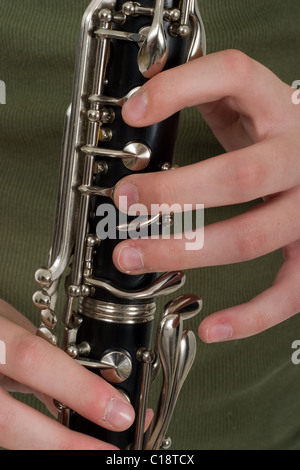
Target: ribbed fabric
{"points": [[240, 395]]}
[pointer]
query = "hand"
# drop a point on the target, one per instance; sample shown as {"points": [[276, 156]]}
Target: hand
{"points": [[34, 366], [252, 115]]}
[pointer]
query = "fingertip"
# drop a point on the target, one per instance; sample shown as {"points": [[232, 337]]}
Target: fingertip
{"points": [[128, 259], [119, 414], [135, 108], [125, 196], [215, 332]]}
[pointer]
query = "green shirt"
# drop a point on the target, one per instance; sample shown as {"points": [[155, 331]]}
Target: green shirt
{"points": [[241, 394]]}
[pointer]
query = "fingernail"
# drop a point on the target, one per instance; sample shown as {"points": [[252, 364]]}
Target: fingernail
{"points": [[219, 332], [136, 107], [130, 259], [119, 414], [126, 195]]}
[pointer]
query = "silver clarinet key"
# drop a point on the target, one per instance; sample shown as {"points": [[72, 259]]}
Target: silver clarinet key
{"points": [[109, 316]]}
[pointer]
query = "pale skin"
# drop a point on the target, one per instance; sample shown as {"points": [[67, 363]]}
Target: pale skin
{"points": [[34, 366], [251, 113]]}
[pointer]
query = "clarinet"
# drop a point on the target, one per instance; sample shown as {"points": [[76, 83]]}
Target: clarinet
{"points": [[108, 316]]}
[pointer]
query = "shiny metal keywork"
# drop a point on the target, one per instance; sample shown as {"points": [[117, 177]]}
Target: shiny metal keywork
{"points": [[100, 307]]}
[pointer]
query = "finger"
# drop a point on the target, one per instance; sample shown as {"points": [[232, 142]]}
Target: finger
{"points": [[9, 312], [12, 386], [271, 307], [263, 229], [207, 80], [23, 428], [268, 167], [42, 367]]}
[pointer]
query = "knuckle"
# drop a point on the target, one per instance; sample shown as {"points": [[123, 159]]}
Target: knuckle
{"points": [[27, 352], [261, 321], [238, 64], [162, 188], [292, 301], [249, 241], [247, 178], [156, 189]]}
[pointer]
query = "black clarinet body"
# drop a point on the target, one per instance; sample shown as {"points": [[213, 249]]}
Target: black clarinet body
{"points": [[109, 315]]}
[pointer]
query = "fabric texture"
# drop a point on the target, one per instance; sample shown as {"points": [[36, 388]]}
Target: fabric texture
{"points": [[242, 394]]}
